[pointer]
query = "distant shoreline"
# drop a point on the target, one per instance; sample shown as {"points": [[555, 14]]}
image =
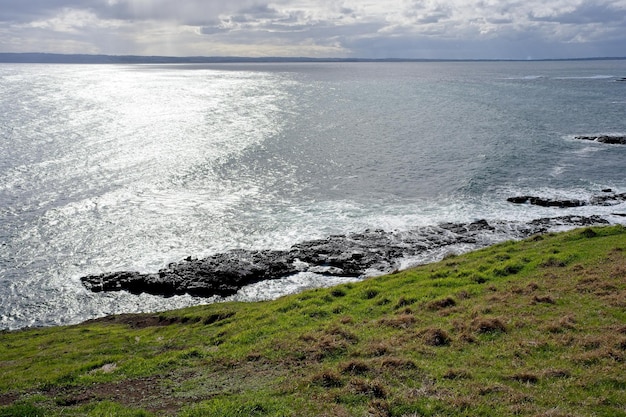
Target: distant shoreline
{"points": [[46, 58]]}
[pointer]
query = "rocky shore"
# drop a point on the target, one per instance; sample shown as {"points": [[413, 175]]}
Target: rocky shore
{"points": [[610, 139], [353, 255], [608, 198]]}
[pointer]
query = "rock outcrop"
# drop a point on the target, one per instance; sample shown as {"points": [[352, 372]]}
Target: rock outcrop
{"points": [[610, 139], [354, 255], [545, 202], [609, 198]]}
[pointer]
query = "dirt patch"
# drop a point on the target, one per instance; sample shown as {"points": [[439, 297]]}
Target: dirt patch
{"points": [[141, 321], [402, 321], [617, 299], [331, 342], [327, 379], [488, 325], [8, 399], [137, 321], [525, 378], [147, 393], [398, 364], [355, 368], [455, 374], [372, 389], [543, 299], [435, 337], [441, 304]]}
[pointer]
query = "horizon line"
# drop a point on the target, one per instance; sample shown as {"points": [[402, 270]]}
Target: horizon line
{"points": [[51, 57]]}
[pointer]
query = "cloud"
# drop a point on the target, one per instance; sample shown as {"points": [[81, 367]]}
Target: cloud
{"points": [[585, 13], [364, 28]]}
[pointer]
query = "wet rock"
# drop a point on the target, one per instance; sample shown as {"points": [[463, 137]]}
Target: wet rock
{"points": [[221, 274], [610, 139], [607, 199], [352, 255], [468, 227], [545, 202], [114, 281], [544, 224]]}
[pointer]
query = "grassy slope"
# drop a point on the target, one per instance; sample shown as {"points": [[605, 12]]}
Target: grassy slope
{"points": [[530, 328]]}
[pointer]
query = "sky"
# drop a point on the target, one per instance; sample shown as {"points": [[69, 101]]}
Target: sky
{"points": [[414, 29]]}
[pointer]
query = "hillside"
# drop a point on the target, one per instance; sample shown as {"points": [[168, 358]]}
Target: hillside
{"points": [[533, 328]]}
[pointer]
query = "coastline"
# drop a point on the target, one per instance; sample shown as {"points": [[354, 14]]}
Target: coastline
{"points": [[357, 348], [94, 187], [356, 255]]}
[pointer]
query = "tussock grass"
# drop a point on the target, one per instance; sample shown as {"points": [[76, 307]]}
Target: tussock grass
{"points": [[532, 328]]}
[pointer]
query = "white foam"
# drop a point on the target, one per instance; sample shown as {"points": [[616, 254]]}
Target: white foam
{"points": [[526, 77], [270, 290], [587, 77]]}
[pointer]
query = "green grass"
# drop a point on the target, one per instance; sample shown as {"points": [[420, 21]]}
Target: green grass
{"points": [[534, 328]]}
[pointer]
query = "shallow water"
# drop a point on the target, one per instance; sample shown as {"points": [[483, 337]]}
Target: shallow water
{"points": [[114, 167]]}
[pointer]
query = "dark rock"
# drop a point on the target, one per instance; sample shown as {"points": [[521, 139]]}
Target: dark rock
{"points": [[610, 139], [519, 200], [114, 281], [221, 274], [579, 221], [352, 255], [468, 227], [608, 200], [545, 202], [598, 200]]}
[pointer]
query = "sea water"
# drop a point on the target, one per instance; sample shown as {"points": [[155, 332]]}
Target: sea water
{"points": [[130, 167]]}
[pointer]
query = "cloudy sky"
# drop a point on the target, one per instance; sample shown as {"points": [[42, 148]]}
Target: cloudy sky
{"points": [[458, 29]]}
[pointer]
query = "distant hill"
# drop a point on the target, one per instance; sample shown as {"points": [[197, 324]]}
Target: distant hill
{"points": [[44, 58], [136, 59]]}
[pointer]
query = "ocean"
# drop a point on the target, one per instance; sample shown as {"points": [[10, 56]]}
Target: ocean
{"points": [[130, 167]]}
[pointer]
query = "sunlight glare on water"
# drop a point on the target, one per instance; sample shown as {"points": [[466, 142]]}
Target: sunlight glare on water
{"points": [[106, 149]]}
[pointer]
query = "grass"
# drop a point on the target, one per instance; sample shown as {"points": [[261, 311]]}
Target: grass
{"points": [[534, 328]]}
